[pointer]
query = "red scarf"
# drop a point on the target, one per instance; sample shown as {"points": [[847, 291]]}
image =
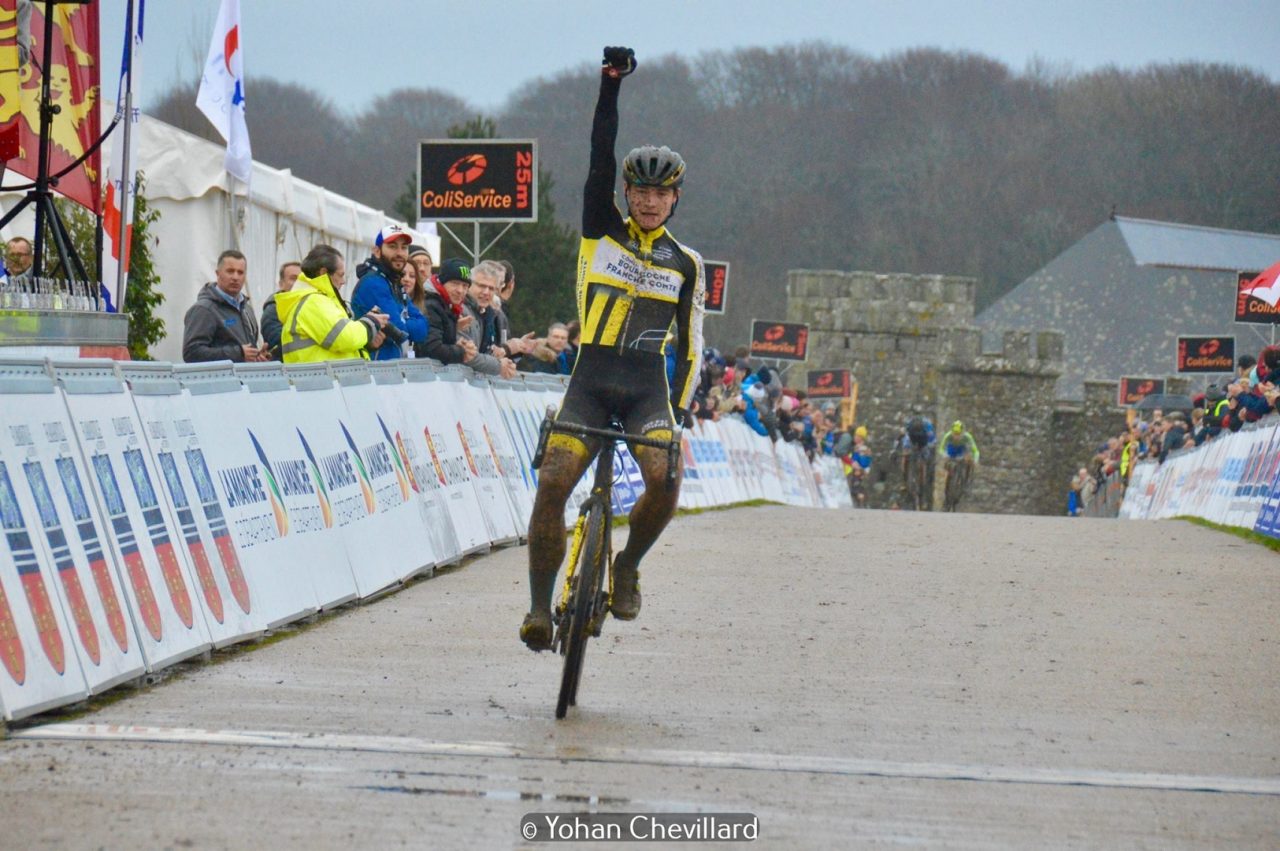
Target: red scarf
{"points": [[444, 295]]}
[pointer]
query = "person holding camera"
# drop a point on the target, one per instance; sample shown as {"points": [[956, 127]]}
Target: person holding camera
{"points": [[444, 299], [379, 287], [315, 323]]}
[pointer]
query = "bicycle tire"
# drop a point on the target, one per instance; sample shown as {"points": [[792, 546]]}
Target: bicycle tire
{"points": [[581, 606]]}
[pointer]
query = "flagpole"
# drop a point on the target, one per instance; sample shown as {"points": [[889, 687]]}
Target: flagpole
{"points": [[126, 176]]}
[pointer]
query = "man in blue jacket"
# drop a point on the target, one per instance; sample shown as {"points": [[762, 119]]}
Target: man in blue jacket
{"points": [[379, 288]]}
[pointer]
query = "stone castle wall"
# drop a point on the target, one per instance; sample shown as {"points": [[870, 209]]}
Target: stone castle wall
{"points": [[910, 343]]}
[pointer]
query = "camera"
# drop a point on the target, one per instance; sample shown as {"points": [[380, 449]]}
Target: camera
{"points": [[394, 334]]}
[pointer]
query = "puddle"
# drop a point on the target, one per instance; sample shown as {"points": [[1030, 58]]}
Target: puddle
{"points": [[503, 795]]}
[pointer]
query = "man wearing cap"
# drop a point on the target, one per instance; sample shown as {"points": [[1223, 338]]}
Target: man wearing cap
{"points": [[379, 288], [444, 299]]}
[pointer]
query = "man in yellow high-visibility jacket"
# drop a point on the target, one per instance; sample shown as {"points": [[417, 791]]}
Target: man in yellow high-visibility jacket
{"points": [[316, 324]]}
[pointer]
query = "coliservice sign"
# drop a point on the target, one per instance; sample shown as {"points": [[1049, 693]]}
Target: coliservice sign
{"points": [[779, 340], [829, 384], [1133, 389], [1249, 307], [1206, 354], [468, 180]]}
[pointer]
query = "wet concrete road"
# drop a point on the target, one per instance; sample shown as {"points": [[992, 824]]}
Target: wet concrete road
{"points": [[852, 678]]}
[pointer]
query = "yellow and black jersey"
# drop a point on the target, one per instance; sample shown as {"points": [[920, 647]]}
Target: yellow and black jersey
{"points": [[633, 285]]}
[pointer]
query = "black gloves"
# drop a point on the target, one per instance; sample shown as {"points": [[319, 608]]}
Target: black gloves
{"points": [[618, 62], [684, 419]]}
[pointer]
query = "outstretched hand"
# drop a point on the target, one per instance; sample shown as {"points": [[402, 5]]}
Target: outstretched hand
{"points": [[618, 62]]}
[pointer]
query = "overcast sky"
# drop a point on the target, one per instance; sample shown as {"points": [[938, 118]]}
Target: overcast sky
{"points": [[481, 50]]}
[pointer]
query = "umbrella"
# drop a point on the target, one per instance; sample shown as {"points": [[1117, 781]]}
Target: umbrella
{"points": [[1266, 286], [1165, 402]]}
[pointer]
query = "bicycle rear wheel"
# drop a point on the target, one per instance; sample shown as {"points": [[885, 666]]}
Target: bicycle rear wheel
{"points": [[584, 600]]}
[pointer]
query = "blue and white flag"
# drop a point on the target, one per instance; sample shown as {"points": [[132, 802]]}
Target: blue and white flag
{"points": [[221, 95]]}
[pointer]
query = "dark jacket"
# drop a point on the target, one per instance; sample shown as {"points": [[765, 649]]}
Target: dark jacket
{"points": [[271, 327], [380, 287], [442, 331], [491, 321], [214, 330]]}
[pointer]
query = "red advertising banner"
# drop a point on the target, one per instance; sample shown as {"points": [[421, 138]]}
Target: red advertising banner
{"points": [[1207, 354], [73, 91], [1133, 390], [717, 285], [1250, 308], [829, 384], [468, 180], [779, 340]]}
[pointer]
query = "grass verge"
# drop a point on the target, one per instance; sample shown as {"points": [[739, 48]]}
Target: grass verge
{"points": [[1267, 541]]}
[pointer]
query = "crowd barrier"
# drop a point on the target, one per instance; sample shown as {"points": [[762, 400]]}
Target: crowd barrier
{"points": [[152, 511], [1233, 480]]}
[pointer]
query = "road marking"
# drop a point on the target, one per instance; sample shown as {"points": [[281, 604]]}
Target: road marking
{"points": [[795, 763]]}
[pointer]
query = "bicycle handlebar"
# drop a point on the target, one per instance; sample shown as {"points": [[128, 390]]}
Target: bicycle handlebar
{"points": [[610, 434]]}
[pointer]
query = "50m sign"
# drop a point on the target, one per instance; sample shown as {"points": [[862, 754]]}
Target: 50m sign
{"points": [[468, 180]]}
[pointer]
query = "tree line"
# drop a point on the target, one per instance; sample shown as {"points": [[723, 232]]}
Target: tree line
{"points": [[815, 156]]}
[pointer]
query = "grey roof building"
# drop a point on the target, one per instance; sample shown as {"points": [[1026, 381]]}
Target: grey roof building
{"points": [[1124, 293]]}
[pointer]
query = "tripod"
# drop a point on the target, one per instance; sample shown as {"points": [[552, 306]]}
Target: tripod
{"points": [[41, 194]]}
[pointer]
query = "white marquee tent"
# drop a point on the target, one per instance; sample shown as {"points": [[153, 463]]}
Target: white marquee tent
{"points": [[278, 219]]}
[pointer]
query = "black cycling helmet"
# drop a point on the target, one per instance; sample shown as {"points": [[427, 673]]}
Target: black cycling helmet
{"points": [[653, 166]]}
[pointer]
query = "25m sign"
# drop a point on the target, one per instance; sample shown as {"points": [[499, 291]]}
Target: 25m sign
{"points": [[1206, 354], [779, 340], [469, 180]]}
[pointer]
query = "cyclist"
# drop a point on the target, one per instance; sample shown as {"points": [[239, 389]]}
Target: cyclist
{"points": [[959, 444], [634, 281], [917, 434]]}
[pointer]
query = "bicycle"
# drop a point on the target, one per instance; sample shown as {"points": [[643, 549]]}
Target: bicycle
{"points": [[958, 471], [583, 604], [919, 492]]}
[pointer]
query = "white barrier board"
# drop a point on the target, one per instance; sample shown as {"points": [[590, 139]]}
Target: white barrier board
{"points": [[39, 666], [175, 449], [40, 443], [263, 491], [428, 410], [395, 402], [506, 457], [160, 588], [394, 517], [469, 415]]}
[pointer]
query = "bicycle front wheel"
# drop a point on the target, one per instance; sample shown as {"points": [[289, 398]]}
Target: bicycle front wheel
{"points": [[584, 599]]}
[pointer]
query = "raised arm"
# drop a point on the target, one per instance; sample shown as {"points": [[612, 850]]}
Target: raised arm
{"points": [[598, 210]]}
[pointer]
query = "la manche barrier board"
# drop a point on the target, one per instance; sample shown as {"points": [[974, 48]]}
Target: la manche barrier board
{"points": [[154, 511]]}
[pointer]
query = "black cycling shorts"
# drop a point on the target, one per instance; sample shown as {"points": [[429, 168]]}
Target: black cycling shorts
{"points": [[630, 385]]}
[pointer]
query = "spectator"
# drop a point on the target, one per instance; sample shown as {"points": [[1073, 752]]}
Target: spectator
{"points": [[570, 356], [379, 286], [487, 327], [221, 324], [270, 316], [755, 394], [444, 316], [1245, 365], [508, 288], [1075, 498], [545, 356], [316, 322], [420, 260], [18, 257]]}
